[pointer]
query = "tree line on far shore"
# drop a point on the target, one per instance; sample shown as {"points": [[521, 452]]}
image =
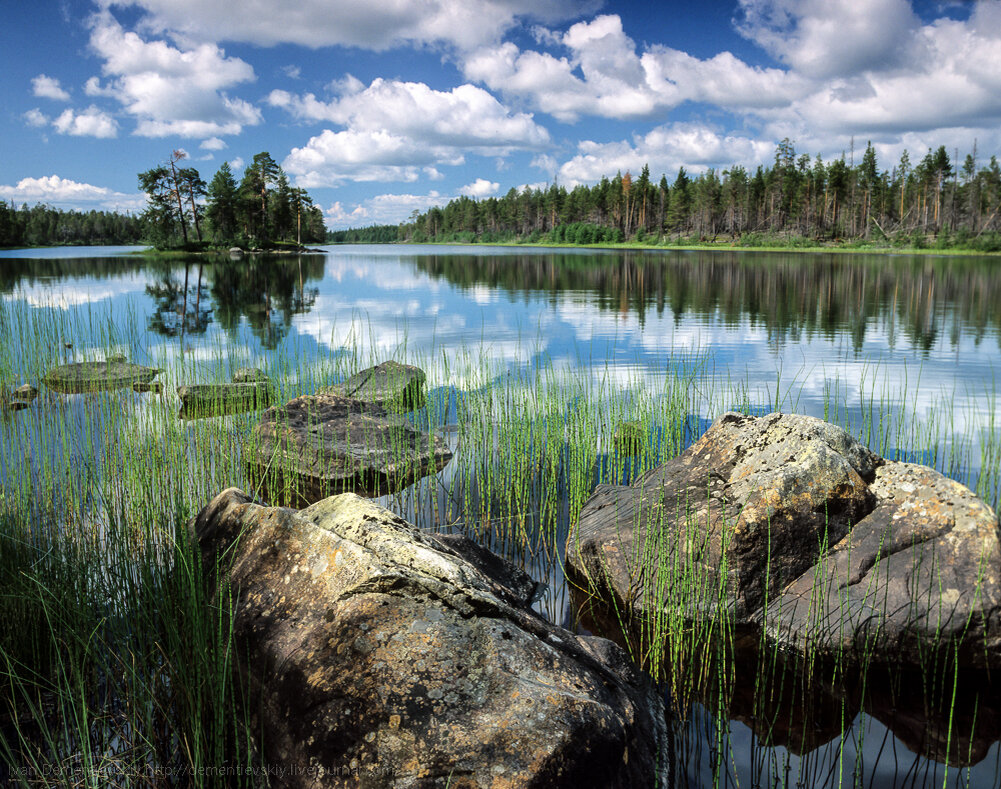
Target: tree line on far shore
{"points": [[936, 201], [42, 225], [263, 210]]}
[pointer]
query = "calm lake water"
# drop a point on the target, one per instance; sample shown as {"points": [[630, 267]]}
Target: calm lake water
{"points": [[915, 337]]}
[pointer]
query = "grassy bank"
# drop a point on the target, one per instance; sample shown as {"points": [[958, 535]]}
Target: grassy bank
{"points": [[116, 659]]}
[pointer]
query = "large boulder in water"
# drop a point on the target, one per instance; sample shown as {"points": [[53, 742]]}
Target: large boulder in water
{"points": [[383, 656], [97, 376], [921, 572], [391, 385], [747, 508], [318, 445], [787, 523]]}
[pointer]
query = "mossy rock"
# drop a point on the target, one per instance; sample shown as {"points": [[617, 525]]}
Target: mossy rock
{"points": [[200, 400], [390, 385], [97, 376]]}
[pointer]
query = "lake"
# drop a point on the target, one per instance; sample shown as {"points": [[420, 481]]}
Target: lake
{"points": [[902, 350]]}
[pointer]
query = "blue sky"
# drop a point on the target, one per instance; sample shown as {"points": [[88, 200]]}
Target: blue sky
{"points": [[390, 106]]}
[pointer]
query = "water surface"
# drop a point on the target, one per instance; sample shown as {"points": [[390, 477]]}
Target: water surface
{"points": [[837, 336]]}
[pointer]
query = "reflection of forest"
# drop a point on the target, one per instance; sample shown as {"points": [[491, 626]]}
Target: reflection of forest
{"points": [[28, 271], [795, 296], [267, 292]]}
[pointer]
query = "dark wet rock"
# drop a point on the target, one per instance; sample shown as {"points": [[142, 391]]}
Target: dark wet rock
{"points": [[920, 573], [201, 400], [150, 387], [318, 445], [249, 375], [785, 524], [384, 656], [394, 386], [97, 376]]}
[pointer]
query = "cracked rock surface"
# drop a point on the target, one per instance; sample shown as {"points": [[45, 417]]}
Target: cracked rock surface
{"points": [[787, 523], [383, 656]]}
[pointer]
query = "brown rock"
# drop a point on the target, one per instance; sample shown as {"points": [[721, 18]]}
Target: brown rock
{"points": [[318, 445], [383, 656]]}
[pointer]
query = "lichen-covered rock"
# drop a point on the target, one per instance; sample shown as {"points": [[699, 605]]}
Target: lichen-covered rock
{"points": [[391, 385], [920, 573], [382, 656], [318, 445], [80, 377], [746, 509], [787, 524]]}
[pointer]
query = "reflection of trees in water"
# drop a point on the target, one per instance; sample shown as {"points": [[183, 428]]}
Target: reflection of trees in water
{"points": [[179, 307], [794, 297], [28, 271], [267, 292]]}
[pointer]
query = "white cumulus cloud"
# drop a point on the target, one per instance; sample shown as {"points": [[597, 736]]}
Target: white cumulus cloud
{"points": [[665, 149], [376, 24], [397, 130], [92, 122], [481, 187], [48, 88], [64, 192], [35, 117], [171, 90], [385, 209], [603, 74]]}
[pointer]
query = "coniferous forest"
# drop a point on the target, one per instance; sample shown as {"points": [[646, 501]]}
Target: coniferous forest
{"points": [[262, 210], [42, 225], [798, 200]]}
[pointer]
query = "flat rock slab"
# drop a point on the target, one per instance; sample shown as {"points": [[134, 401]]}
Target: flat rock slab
{"points": [[201, 400], [97, 376], [383, 656], [318, 445], [394, 386], [786, 523]]}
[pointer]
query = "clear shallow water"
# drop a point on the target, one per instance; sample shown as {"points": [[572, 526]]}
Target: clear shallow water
{"points": [[818, 334]]}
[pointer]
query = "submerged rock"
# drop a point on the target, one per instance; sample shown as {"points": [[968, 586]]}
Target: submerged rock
{"points": [[150, 387], [97, 376], [201, 400], [394, 386], [318, 445], [22, 397], [786, 524], [382, 656]]}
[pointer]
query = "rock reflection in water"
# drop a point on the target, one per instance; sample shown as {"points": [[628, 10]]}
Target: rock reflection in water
{"points": [[947, 717]]}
